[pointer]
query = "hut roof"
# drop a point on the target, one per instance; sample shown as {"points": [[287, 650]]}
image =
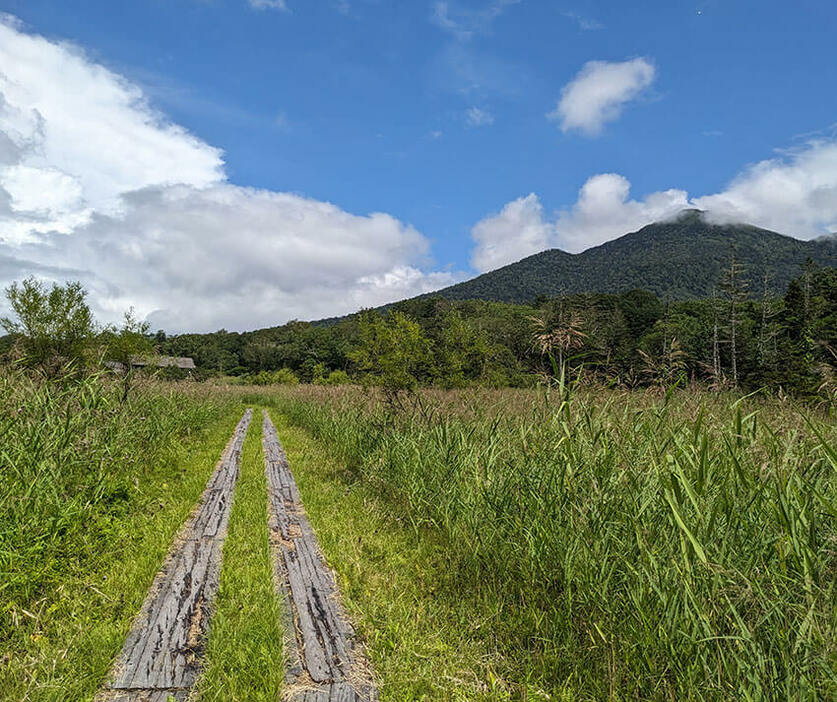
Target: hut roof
{"points": [[183, 362]]}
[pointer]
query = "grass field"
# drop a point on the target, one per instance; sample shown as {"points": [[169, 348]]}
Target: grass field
{"points": [[92, 492], [426, 641], [596, 545], [574, 544]]}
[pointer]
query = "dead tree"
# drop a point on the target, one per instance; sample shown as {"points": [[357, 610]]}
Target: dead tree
{"points": [[734, 287]]}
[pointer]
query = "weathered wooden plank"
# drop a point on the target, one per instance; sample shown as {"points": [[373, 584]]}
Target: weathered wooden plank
{"points": [[325, 661], [143, 696], [162, 654]]}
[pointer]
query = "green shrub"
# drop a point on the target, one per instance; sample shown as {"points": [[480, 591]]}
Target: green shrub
{"points": [[283, 376], [337, 377], [54, 326]]}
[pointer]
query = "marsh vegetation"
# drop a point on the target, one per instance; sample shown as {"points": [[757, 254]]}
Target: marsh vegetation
{"points": [[611, 545], [578, 540]]}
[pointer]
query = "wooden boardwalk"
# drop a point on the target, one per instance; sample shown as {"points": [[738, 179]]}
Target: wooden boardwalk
{"points": [[163, 653], [325, 663]]}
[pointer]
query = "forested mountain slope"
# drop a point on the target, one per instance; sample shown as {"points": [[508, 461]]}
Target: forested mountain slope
{"points": [[680, 259]]}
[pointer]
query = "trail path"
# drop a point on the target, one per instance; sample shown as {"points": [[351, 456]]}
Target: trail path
{"points": [[162, 654], [325, 662]]}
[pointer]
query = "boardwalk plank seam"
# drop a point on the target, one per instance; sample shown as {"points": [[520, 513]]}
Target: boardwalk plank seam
{"points": [[163, 652], [325, 661]]}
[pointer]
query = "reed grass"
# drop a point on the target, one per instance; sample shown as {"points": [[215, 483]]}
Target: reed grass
{"points": [[92, 491], [671, 546], [426, 641]]}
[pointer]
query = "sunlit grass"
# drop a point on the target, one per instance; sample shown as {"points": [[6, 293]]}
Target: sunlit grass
{"points": [[678, 546], [490, 545], [93, 492], [426, 641]]}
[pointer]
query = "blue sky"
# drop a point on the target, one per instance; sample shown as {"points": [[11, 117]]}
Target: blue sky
{"points": [[438, 114]]}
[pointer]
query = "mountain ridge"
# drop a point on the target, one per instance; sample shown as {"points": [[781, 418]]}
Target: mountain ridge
{"points": [[680, 258]]}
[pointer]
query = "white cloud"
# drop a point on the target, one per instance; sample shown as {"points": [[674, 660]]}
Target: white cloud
{"points": [[72, 127], [602, 212], [794, 194], [97, 186], [45, 192], [518, 230], [200, 258], [463, 22], [599, 92], [268, 4], [477, 117]]}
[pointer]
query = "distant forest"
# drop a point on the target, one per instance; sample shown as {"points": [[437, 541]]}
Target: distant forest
{"points": [[736, 337]]}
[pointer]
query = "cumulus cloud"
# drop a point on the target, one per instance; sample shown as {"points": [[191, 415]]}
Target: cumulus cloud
{"points": [[477, 117], [200, 258], [76, 136], [794, 194], [96, 185], [518, 230], [602, 212], [599, 92]]}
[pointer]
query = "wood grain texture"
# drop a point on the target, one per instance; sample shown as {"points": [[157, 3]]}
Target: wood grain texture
{"points": [[325, 661], [162, 655], [143, 695]]}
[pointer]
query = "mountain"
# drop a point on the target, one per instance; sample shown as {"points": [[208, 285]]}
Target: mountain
{"points": [[682, 258]]}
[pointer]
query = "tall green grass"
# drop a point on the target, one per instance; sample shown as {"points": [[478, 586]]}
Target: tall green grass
{"points": [[92, 489], [72, 456], [635, 546]]}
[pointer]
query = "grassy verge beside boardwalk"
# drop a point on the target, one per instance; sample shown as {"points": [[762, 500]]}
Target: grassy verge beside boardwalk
{"points": [[620, 545], [92, 492], [426, 642]]}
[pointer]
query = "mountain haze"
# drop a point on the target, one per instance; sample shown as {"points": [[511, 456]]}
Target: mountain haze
{"points": [[682, 258]]}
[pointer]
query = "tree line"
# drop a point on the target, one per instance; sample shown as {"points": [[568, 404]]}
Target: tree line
{"points": [[737, 337]]}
